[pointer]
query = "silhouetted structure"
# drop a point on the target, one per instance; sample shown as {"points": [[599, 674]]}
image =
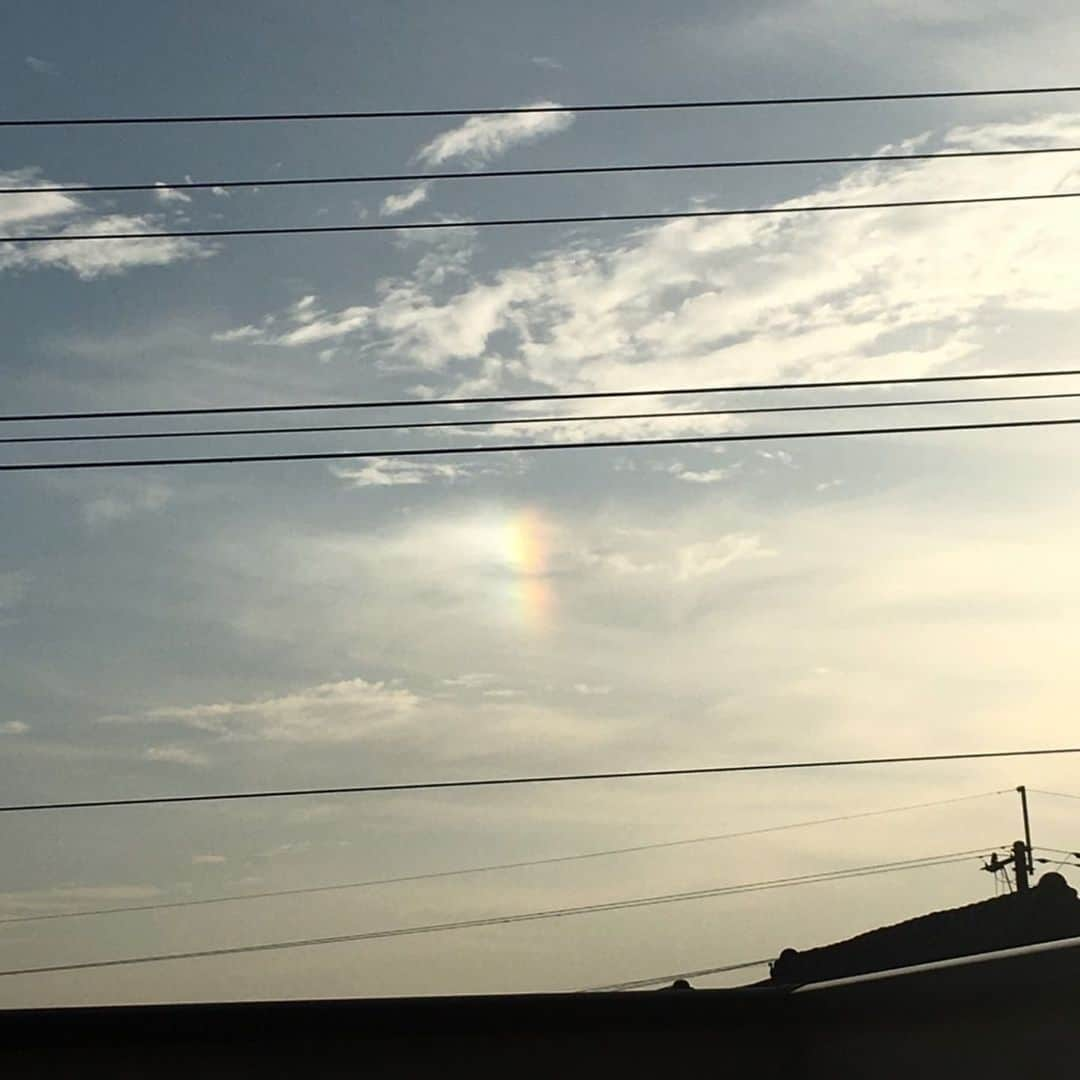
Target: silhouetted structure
{"points": [[989, 1011], [1048, 912]]}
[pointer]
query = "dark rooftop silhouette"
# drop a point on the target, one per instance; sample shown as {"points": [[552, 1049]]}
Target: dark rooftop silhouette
{"points": [[1048, 912]]}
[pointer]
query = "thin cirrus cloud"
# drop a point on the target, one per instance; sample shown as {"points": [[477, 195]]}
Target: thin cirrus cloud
{"points": [[175, 755], [385, 472], [406, 200], [338, 712], [481, 138]]}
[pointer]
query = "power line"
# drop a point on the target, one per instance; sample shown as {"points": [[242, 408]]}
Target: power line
{"points": [[572, 219], [488, 174], [513, 448], [636, 983], [1056, 794], [530, 916], [519, 110], [666, 414], [508, 399], [514, 781], [498, 866]]}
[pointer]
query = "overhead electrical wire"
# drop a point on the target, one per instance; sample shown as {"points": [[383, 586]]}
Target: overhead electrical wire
{"points": [[529, 916], [635, 984], [1056, 794], [538, 109], [503, 174], [510, 222], [1062, 860], [558, 778], [515, 448], [52, 915], [527, 420], [509, 399]]}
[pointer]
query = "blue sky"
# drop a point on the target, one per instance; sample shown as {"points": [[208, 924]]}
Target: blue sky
{"points": [[304, 624]]}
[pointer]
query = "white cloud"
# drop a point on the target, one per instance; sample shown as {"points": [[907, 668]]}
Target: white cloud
{"points": [[390, 472], [339, 712], [32, 207], [781, 457], [698, 476], [651, 554], [42, 67], [208, 860], [240, 333], [56, 214], [175, 755], [14, 727], [319, 327], [548, 62], [311, 325], [481, 138], [711, 556], [751, 299], [591, 691], [90, 259], [471, 680], [166, 194], [406, 200]]}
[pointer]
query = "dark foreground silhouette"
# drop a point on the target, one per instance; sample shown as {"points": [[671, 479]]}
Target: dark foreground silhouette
{"points": [[995, 1012]]}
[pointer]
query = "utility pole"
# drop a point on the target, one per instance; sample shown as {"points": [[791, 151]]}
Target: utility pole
{"points": [[1027, 830], [1022, 859], [1020, 865]]}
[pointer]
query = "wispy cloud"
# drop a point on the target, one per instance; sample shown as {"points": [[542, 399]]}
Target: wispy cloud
{"points": [[548, 62], [821, 294], [481, 138], [337, 712], [14, 727], [681, 563], [108, 501], [303, 323], [388, 472], [406, 200], [42, 67], [689, 475], [175, 755], [166, 194], [471, 680], [59, 214]]}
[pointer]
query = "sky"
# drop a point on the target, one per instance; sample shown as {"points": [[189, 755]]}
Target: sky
{"points": [[310, 624]]}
